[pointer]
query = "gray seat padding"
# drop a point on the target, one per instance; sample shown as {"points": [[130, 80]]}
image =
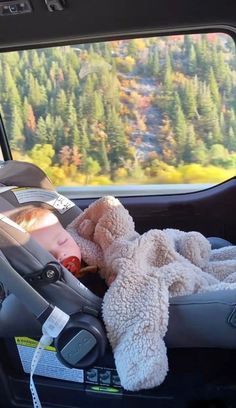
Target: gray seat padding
{"points": [[203, 320]]}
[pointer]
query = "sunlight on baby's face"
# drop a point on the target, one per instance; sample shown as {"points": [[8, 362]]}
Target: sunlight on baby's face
{"points": [[54, 238]]}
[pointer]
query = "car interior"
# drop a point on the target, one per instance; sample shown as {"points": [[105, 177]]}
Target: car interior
{"points": [[201, 336]]}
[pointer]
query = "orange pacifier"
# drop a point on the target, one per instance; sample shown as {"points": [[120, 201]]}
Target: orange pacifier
{"points": [[72, 263]]}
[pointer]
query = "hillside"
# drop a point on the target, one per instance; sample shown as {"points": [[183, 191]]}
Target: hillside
{"points": [[124, 110]]}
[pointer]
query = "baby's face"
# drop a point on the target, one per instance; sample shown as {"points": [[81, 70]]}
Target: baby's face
{"points": [[54, 238]]}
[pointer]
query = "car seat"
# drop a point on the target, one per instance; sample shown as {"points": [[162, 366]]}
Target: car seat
{"points": [[25, 263], [192, 320]]}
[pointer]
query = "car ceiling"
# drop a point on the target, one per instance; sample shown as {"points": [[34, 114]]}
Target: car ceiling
{"points": [[86, 20]]}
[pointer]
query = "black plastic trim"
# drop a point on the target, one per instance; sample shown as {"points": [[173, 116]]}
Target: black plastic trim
{"points": [[6, 151]]}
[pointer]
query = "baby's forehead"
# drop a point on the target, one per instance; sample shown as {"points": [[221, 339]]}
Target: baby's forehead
{"points": [[47, 218]]}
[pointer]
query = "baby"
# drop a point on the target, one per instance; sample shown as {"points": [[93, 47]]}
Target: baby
{"points": [[45, 228]]}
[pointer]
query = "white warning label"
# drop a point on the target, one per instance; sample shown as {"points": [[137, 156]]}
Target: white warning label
{"points": [[48, 365], [56, 200]]}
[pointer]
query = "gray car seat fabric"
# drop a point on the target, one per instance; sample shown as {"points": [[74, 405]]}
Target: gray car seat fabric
{"points": [[203, 320], [217, 242], [199, 320]]}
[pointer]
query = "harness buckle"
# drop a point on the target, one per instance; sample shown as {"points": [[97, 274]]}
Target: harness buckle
{"points": [[49, 274]]}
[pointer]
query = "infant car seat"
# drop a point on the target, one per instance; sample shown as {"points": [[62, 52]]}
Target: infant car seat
{"points": [[25, 265], [33, 279]]}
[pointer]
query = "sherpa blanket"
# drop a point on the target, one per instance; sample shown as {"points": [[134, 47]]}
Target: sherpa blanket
{"points": [[143, 272]]}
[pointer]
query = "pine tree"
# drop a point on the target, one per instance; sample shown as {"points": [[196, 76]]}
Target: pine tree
{"points": [[209, 119], [221, 68], [88, 97], [167, 75], [61, 104], [49, 122], [16, 136], [187, 45], [192, 61], [103, 158], [12, 94], [231, 140], [75, 137], [98, 110], [180, 128], [35, 62], [189, 100], [202, 57], [41, 131], [153, 61], [59, 134], [214, 88], [84, 139], [188, 155], [71, 115], [116, 140], [72, 80]]}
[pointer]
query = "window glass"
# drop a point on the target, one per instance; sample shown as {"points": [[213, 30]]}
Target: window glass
{"points": [[157, 110]]}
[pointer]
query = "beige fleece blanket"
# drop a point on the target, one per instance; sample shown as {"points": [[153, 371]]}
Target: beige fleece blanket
{"points": [[143, 272]]}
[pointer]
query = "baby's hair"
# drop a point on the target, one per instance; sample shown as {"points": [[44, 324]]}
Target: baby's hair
{"points": [[30, 218]]}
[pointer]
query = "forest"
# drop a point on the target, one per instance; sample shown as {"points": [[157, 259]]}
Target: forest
{"points": [[141, 111]]}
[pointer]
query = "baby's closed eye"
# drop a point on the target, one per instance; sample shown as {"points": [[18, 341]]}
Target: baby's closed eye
{"points": [[62, 241]]}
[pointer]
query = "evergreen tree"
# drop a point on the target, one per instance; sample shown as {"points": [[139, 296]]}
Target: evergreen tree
{"points": [[59, 134], [61, 104], [16, 136], [11, 92], [214, 88], [187, 45], [98, 110], [153, 61], [103, 158], [189, 100], [156, 62], [188, 155], [180, 128], [72, 80], [192, 61], [71, 115], [49, 122], [209, 121], [231, 140], [167, 75], [221, 68], [35, 62], [84, 139], [75, 137], [117, 141], [41, 131], [202, 57]]}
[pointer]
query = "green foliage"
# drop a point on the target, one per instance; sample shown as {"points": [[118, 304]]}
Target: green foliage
{"points": [[95, 98]]}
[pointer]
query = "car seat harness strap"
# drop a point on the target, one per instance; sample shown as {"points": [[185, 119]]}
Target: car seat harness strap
{"points": [[51, 329]]}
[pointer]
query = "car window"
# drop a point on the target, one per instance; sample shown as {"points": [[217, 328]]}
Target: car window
{"points": [[150, 112]]}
